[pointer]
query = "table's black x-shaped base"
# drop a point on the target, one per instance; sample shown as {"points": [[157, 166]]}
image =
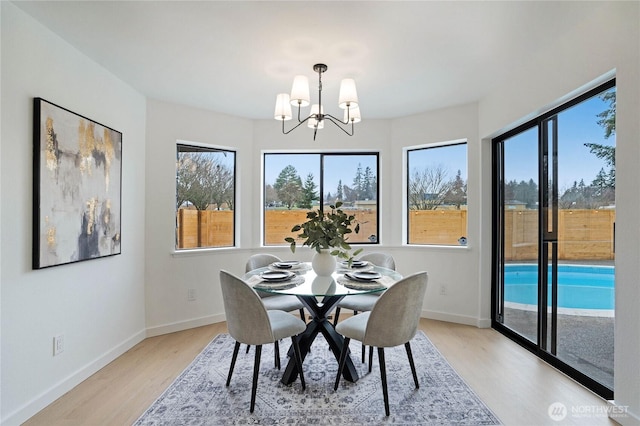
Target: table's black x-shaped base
{"points": [[320, 324]]}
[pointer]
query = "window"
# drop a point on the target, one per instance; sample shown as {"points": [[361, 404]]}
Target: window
{"points": [[295, 183], [205, 197], [437, 194]]}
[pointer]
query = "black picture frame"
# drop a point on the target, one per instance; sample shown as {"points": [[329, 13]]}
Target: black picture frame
{"points": [[77, 187]]}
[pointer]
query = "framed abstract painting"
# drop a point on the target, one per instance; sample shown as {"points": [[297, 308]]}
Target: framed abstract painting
{"points": [[77, 184]]}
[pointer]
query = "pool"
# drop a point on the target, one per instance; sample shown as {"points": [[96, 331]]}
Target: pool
{"points": [[579, 287]]}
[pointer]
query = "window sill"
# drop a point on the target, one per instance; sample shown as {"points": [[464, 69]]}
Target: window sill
{"points": [[437, 246], [201, 251]]}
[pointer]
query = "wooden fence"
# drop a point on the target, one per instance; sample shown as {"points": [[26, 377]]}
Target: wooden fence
{"points": [[205, 228], [278, 224], [442, 227], [586, 234]]}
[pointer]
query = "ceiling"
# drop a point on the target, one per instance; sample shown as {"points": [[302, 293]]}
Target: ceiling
{"points": [[234, 57]]}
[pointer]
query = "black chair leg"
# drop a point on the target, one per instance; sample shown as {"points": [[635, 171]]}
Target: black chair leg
{"points": [[233, 361], [383, 376], [296, 353], [302, 315], [413, 366], [364, 349], [248, 347], [276, 354], [370, 358], [342, 361], [337, 314], [254, 385]]}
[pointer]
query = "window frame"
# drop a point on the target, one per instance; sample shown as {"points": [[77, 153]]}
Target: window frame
{"points": [[321, 192], [206, 147], [406, 185]]}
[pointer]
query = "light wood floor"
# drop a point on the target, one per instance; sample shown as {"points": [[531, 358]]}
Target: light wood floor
{"points": [[515, 384]]}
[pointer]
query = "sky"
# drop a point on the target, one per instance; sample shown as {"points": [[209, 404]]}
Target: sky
{"points": [[450, 158], [576, 126]]}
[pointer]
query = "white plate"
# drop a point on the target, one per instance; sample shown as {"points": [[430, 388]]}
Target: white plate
{"points": [[361, 277], [276, 275], [356, 264], [287, 264], [366, 275]]}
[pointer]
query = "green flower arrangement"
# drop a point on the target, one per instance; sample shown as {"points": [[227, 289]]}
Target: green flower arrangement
{"points": [[327, 231]]}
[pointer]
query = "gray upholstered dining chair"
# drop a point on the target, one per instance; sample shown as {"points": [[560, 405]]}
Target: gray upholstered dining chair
{"points": [[249, 322], [273, 302], [364, 302], [279, 302], [393, 321]]}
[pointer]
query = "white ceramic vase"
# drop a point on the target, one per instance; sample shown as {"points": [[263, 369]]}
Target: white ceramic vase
{"points": [[323, 263]]}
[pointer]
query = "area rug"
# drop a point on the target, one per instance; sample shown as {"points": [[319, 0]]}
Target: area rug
{"points": [[199, 396]]}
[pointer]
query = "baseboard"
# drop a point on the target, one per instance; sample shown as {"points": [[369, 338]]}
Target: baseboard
{"points": [[212, 319], [483, 322], [622, 415], [458, 319], [65, 385], [184, 325]]}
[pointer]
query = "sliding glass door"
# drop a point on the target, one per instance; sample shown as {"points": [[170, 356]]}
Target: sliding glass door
{"points": [[519, 212], [554, 222]]}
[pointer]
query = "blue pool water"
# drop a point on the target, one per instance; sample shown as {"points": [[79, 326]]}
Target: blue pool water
{"points": [[579, 287]]}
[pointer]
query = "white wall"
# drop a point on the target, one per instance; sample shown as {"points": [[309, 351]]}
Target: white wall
{"points": [[454, 267], [168, 275], [607, 39], [99, 304]]}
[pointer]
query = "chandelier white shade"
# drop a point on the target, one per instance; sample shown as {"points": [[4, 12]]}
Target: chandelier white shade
{"points": [[283, 107], [300, 91], [348, 95], [347, 100]]}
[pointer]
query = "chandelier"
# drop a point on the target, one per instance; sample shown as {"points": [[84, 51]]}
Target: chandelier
{"points": [[347, 100]]}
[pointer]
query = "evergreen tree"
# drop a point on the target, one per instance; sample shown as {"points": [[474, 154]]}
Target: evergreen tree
{"points": [[349, 194], [309, 194], [525, 192], [357, 182], [288, 186], [368, 184], [608, 122], [457, 195]]}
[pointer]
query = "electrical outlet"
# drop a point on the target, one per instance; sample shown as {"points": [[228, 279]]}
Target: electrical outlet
{"points": [[192, 295], [58, 344], [443, 290]]}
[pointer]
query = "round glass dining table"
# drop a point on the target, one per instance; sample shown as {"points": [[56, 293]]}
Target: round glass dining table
{"points": [[320, 295]]}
